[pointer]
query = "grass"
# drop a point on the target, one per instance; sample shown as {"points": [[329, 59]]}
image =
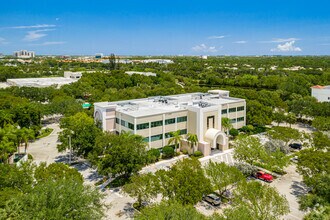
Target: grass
{"points": [[45, 132]]}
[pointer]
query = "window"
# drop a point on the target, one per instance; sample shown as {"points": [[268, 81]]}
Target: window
{"points": [[146, 139], [142, 126], [181, 119], [240, 119], [240, 108], [169, 121], [156, 137], [224, 111], [232, 110], [233, 120], [183, 131], [210, 122], [168, 135], [130, 126], [156, 123], [117, 120], [123, 123]]}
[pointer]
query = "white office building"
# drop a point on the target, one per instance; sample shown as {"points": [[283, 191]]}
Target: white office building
{"points": [[24, 54], [321, 93], [154, 118]]}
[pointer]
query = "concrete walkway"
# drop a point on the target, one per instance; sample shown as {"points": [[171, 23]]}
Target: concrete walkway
{"points": [[45, 149]]}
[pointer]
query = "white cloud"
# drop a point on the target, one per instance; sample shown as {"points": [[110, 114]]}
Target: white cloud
{"points": [[240, 42], [52, 43], [204, 48], [3, 41], [280, 40], [36, 35], [286, 47], [33, 26], [216, 37]]}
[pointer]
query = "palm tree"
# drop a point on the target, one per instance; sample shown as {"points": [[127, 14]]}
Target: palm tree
{"points": [[27, 134], [193, 139], [226, 125], [176, 139]]}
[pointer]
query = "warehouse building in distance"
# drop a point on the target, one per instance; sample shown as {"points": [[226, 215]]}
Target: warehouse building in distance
{"points": [[154, 118], [69, 77]]}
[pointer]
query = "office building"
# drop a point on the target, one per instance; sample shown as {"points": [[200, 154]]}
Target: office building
{"points": [[321, 93], [24, 54], [154, 118]]}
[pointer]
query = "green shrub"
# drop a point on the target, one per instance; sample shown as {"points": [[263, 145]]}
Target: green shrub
{"points": [[198, 153], [153, 155], [185, 151], [233, 132], [30, 157], [168, 152]]}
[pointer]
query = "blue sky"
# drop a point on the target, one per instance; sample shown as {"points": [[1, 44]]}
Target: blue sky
{"points": [[172, 27]]}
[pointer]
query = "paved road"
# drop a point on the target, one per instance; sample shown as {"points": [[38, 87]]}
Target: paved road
{"points": [[290, 185], [44, 149]]}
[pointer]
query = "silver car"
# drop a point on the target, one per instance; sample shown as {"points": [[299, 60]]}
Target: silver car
{"points": [[213, 199]]}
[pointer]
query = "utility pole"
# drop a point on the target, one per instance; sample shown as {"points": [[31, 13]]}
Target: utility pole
{"points": [[70, 149]]}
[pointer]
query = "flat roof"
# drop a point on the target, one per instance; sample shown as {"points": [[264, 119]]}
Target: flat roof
{"points": [[167, 104], [41, 82], [320, 87]]}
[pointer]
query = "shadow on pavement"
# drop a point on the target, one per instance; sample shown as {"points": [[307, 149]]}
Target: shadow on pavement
{"points": [[298, 188]]}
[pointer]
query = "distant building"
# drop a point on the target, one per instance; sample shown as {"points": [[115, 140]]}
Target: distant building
{"points": [[24, 54], [204, 57], [155, 118], [141, 73], [99, 56], [159, 61], [321, 93], [69, 77]]}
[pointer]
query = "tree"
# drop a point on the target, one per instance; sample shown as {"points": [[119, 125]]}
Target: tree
{"points": [[123, 155], [143, 187], [83, 132], [248, 150], [176, 139], [272, 146], [226, 125], [279, 117], [193, 140], [321, 123], [321, 141], [48, 192], [183, 182], [112, 62], [169, 210], [222, 176], [27, 134], [284, 134], [261, 201], [291, 119]]}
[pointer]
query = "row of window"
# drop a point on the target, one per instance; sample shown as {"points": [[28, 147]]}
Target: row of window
{"points": [[160, 136], [125, 123], [160, 123], [240, 108], [236, 119]]}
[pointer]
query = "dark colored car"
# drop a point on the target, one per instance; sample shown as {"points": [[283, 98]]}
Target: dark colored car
{"points": [[296, 146], [213, 199]]}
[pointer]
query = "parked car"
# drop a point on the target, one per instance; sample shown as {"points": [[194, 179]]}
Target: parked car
{"points": [[296, 146], [213, 199], [264, 176], [294, 159]]}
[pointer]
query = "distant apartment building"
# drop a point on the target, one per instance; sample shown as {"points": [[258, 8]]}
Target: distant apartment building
{"points": [[24, 54], [141, 73], [154, 118], [321, 93]]}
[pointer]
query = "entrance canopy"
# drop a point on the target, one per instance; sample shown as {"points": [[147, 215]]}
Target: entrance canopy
{"points": [[215, 136]]}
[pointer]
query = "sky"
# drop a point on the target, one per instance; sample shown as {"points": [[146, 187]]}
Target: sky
{"points": [[172, 27]]}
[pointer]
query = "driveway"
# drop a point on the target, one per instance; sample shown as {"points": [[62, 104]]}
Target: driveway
{"points": [[45, 149], [291, 186]]}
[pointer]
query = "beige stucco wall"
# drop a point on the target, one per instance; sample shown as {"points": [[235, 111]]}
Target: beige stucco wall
{"points": [[192, 122]]}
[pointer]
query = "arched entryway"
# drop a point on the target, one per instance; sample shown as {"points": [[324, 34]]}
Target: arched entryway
{"points": [[98, 118], [217, 139]]}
